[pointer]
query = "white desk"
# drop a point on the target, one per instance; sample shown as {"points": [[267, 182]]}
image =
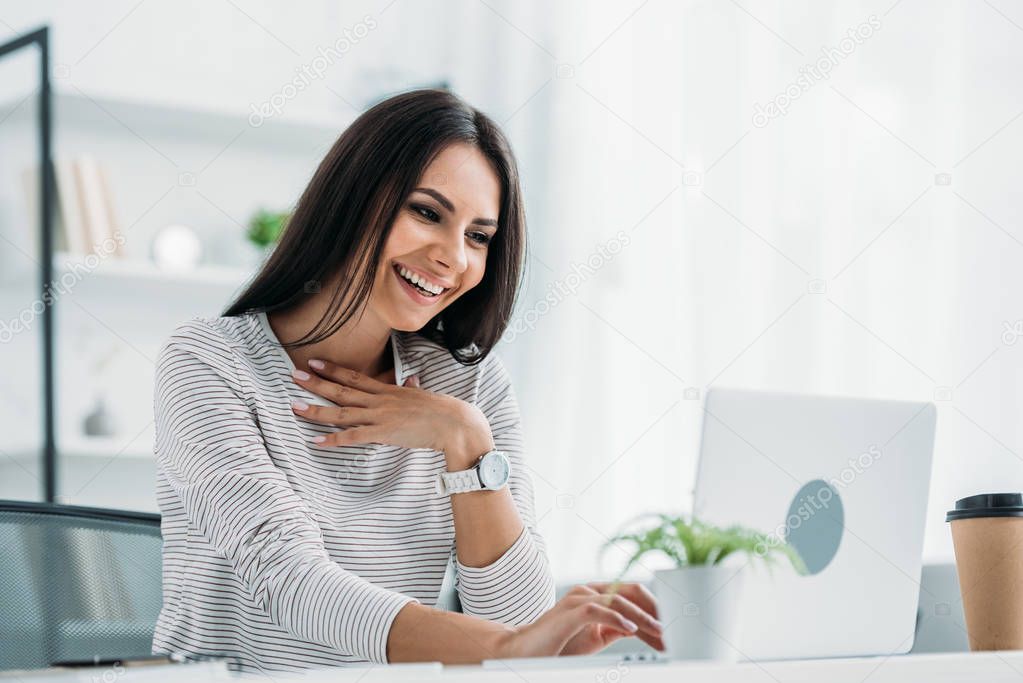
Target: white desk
{"points": [[985, 667]]}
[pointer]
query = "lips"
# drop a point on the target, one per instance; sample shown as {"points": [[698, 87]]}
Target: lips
{"points": [[417, 295], [423, 277]]}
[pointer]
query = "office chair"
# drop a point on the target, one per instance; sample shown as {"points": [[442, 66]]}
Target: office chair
{"points": [[76, 583]]}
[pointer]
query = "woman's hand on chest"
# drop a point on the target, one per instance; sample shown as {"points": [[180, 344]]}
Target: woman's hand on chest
{"points": [[376, 412]]}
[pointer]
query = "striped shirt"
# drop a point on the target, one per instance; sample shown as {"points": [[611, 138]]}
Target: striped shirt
{"points": [[280, 554]]}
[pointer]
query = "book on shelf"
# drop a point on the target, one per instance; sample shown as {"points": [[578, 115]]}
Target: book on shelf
{"points": [[85, 220], [68, 216]]}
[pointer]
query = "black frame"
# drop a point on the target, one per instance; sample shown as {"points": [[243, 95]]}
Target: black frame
{"points": [[80, 512], [41, 38]]}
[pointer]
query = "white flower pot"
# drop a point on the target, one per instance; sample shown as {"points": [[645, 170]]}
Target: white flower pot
{"points": [[700, 609]]}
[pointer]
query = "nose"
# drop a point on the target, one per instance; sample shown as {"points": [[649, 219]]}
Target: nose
{"points": [[449, 251]]}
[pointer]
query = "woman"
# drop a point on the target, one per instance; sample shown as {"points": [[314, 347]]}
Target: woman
{"points": [[343, 432]]}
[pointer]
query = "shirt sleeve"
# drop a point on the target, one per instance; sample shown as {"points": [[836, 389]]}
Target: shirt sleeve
{"points": [[518, 587], [212, 453]]}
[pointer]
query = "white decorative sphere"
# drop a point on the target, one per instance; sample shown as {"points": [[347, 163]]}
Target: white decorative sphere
{"points": [[177, 247]]}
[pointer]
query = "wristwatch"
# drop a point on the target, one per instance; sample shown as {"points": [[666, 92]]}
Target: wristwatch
{"points": [[490, 472]]}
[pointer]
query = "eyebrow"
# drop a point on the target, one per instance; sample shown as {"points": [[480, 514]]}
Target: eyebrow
{"points": [[446, 203]]}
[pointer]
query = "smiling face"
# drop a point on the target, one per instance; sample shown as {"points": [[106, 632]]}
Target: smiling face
{"points": [[437, 248]]}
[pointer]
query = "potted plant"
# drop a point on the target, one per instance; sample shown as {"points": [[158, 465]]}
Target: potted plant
{"points": [[266, 227], [699, 598], [263, 231]]}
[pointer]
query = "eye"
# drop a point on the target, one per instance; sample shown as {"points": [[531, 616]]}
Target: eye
{"points": [[426, 212], [480, 238]]}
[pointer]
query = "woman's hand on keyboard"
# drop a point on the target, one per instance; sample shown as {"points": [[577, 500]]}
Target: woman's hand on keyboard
{"points": [[589, 618]]}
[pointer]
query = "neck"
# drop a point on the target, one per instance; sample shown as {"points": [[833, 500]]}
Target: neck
{"points": [[360, 344]]}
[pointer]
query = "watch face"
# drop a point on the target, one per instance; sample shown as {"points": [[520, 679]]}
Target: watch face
{"points": [[494, 470]]}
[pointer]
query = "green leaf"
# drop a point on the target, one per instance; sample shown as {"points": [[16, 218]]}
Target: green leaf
{"points": [[692, 542], [266, 227]]}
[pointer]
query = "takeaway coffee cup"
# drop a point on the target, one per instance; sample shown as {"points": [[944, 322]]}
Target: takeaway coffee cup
{"points": [[987, 534]]}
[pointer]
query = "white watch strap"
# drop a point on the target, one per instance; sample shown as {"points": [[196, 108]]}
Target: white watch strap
{"points": [[458, 482]]}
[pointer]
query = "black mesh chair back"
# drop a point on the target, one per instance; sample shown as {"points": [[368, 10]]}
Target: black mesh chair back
{"points": [[76, 584]]}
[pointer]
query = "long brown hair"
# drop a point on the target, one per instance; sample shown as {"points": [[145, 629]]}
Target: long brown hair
{"points": [[344, 216]]}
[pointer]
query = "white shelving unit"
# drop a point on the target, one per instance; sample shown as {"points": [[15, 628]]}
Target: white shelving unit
{"points": [[132, 299], [132, 117], [130, 272]]}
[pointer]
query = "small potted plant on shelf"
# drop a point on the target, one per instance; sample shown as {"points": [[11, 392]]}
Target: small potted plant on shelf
{"points": [[265, 229], [699, 598]]}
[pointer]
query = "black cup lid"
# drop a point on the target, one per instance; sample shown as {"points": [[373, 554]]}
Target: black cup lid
{"points": [[987, 505]]}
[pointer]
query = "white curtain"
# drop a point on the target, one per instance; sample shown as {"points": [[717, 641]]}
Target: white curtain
{"points": [[823, 252]]}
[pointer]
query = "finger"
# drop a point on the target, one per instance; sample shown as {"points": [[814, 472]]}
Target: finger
{"points": [[636, 592], [656, 642], [343, 416], [332, 391], [593, 612], [650, 629], [412, 381], [581, 589], [631, 611], [347, 377], [594, 638], [609, 634], [349, 437]]}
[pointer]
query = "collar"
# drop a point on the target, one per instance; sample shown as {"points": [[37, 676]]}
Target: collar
{"points": [[408, 359]]}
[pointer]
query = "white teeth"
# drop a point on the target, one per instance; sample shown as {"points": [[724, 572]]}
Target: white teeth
{"points": [[416, 279]]}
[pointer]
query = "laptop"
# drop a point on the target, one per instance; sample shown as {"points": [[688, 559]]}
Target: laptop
{"points": [[763, 458], [861, 469]]}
